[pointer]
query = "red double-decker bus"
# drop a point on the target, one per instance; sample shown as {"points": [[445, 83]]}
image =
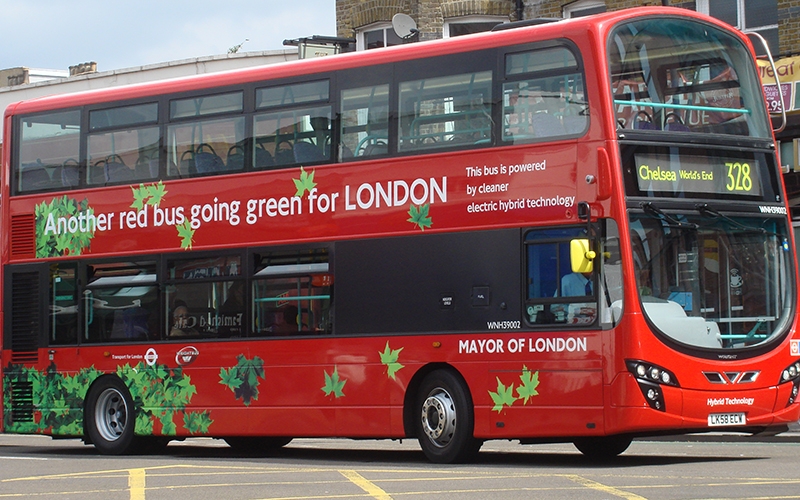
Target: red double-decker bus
{"points": [[574, 231]]}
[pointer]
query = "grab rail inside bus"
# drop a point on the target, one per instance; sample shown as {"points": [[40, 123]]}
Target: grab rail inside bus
{"points": [[777, 81], [691, 107]]}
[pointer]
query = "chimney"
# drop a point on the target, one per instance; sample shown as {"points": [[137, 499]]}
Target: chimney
{"points": [[83, 69]]}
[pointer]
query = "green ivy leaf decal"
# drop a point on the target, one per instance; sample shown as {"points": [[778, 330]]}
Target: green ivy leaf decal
{"points": [[197, 422], [530, 381], [152, 195], [333, 385], [419, 216], [186, 234], [52, 241], [304, 183], [503, 397], [242, 379], [389, 358]]}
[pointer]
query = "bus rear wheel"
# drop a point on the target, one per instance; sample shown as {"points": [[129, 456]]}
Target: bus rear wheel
{"points": [[602, 447], [110, 417], [445, 419]]}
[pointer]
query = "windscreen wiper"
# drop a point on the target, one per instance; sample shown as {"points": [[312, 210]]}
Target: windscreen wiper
{"points": [[705, 211], [656, 213]]}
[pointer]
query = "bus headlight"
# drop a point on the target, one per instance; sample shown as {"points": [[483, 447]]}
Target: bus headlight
{"points": [[791, 374], [650, 378]]}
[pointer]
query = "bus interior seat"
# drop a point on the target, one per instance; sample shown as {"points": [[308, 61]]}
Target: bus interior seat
{"points": [[235, 158], [207, 161], [117, 172], [263, 158], [70, 173], [34, 177], [305, 152]]}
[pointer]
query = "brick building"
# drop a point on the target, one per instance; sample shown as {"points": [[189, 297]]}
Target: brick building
{"points": [[778, 21]]}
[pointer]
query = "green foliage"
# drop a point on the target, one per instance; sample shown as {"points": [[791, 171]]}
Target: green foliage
{"points": [[242, 379], [67, 243], [530, 381], [332, 384], [503, 396], [151, 195], [57, 397], [304, 183], [526, 390], [159, 393], [186, 234], [197, 422], [419, 216], [389, 358]]}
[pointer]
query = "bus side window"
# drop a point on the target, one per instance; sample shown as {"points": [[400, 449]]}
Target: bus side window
{"points": [[364, 122], [63, 310], [292, 294]]}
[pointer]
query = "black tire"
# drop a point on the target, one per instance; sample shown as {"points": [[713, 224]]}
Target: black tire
{"points": [[445, 420], [110, 417], [604, 447], [255, 444]]}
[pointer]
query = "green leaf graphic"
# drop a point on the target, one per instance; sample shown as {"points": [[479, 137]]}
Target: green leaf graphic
{"points": [[333, 385], [419, 216], [243, 379], [389, 358], [503, 397], [197, 422], [151, 195], [186, 234], [530, 381], [53, 240], [304, 183]]}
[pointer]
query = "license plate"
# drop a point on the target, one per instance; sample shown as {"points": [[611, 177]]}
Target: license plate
{"points": [[722, 419]]}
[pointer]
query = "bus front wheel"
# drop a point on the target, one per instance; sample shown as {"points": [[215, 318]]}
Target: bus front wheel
{"points": [[110, 417], [445, 419]]}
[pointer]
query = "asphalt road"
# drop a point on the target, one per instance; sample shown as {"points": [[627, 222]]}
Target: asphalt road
{"points": [[706, 467]]}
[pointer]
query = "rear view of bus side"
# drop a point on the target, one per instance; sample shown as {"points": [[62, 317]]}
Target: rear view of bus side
{"points": [[574, 231]]}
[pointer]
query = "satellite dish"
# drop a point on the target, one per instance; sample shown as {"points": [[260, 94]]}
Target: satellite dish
{"points": [[404, 26]]}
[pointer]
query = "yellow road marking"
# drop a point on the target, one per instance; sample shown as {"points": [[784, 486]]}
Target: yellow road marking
{"points": [[365, 484], [136, 483], [604, 488]]}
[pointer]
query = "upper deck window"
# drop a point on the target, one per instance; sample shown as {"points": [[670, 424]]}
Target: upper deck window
{"points": [[287, 95], [123, 116], [543, 96], [682, 76], [206, 105], [48, 142], [444, 111]]}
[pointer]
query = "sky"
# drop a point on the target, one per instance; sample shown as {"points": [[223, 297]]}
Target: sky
{"points": [[56, 34]]}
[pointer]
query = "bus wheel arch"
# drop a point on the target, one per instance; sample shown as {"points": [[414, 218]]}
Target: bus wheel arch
{"points": [[110, 416], [443, 415]]}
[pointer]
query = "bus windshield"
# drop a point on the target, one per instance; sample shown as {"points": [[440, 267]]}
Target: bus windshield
{"points": [[712, 281], [679, 76]]}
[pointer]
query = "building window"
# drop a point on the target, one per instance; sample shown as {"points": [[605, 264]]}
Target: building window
{"points": [[583, 8], [470, 24], [376, 36], [750, 16]]}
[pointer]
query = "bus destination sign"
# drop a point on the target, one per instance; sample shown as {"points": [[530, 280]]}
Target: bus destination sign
{"points": [[698, 174]]}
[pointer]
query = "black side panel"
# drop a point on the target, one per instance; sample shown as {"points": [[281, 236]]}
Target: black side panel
{"points": [[428, 283], [25, 304]]}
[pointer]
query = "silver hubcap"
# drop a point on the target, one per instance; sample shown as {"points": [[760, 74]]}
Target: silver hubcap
{"points": [[439, 417], [111, 414]]}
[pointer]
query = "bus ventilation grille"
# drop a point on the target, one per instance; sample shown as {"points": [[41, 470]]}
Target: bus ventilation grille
{"points": [[23, 237], [21, 402], [25, 320]]}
